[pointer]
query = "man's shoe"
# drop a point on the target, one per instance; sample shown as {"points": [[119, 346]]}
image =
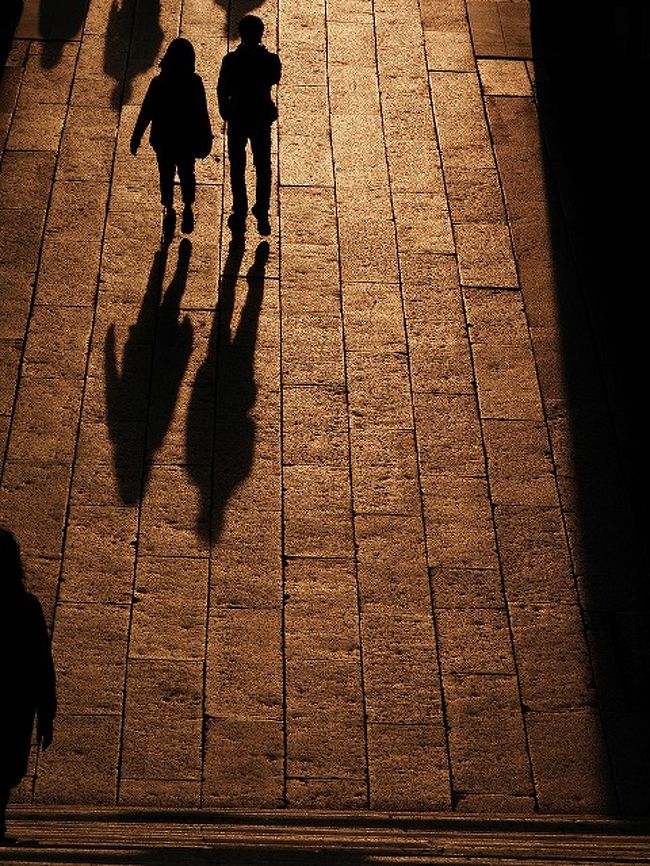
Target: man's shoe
{"points": [[187, 223], [237, 223]]}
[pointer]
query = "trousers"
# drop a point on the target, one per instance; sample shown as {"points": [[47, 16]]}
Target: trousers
{"points": [[260, 139], [168, 165]]}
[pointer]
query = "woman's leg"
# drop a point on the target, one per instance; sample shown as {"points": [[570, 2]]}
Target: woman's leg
{"points": [[166, 170]]}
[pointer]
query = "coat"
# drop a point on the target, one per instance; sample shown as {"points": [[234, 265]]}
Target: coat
{"points": [[27, 681], [176, 107], [246, 77]]}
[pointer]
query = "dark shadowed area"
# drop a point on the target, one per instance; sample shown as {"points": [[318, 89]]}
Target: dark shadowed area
{"points": [[59, 21], [596, 166], [145, 385]]}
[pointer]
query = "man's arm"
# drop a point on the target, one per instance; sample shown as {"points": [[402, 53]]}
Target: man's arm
{"points": [[276, 69], [224, 88]]}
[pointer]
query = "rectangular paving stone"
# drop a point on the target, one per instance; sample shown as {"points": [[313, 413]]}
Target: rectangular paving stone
{"points": [[515, 24], [33, 504], [172, 521], [309, 244], [321, 581], [493, 804], [534, 554], [504, 77], [408, 769], [466, 587], [520, 467], [37, 127], [305, 154], [163, 719], [324, 691], [458, 522], [99, 555], [400, 668], [57, 342], [312, 350], [449, 435], [156, 793], [384, 472], [496, 317], [379, 390], [314, 422], [20, 238], [26, 179], [89, 650], [487, 739], [244, 664], [243, 763], [367, 238], [317, 747], [474, 641], [449, 50], [485, 254], [170, 610], [68, 272], [326, 793], [440, 358], [373, 317], [507, 382], [391, 563], [423, 232], [474, 193], [550, 638], [46, 419], [569, 763], [81, 765], [487, 33], [326, 628], [88, 144], [410, 137]]}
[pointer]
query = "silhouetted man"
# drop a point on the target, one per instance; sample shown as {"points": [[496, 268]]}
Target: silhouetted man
{"points": [[244, 94], [27, 682]]}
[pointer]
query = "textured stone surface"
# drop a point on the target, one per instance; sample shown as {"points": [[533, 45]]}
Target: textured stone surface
{"points": [[346, 528]]}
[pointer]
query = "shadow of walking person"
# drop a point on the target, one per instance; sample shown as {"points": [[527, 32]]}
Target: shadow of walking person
{"points": [[228, 416], [132, 42], [10, 14], [27, 676], [59, 21], [145, 389]]}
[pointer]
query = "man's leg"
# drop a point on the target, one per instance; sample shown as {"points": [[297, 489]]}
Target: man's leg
{"points": [[237, 156], [261, 147]]}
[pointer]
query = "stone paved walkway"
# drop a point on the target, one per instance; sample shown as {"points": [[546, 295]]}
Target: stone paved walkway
{"points": [[309, 522]]}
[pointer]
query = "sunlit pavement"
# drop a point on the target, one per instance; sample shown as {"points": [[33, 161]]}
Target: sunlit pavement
{"points": [[343, 529]]}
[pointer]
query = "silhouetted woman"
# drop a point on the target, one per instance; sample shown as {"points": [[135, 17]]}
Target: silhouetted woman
{"points": [[176, 107], [26, 673]]}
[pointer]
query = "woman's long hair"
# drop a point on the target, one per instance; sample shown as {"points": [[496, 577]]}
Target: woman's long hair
{"points": [[179, 58], [11, 568]]}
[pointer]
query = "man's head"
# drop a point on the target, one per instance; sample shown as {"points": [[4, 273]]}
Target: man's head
{"points": [[251, 29]]}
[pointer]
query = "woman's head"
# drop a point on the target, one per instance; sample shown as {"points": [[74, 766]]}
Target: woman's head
{"points": [[11, 569], [179, 57]]}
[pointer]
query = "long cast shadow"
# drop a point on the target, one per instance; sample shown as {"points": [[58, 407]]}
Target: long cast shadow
{"points": [[9, 17], [235, 11], [145, 388], [596, 257], [59, 21], [225, 408], [132, 42]]}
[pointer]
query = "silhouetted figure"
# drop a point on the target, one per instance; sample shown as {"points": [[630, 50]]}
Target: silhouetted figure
{"points": [[10, 13], [26, 673], [244, 93], [145, 387], [175, 105], [230, 358]]}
